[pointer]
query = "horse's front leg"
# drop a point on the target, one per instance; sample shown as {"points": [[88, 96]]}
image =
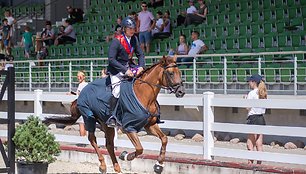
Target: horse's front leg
{"points": [[109, 136], [138, 148], [155, 130], [93, 141]]}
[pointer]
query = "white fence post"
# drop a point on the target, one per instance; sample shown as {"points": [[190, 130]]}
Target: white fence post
{"points": [[225, 75], [295, 75], [208, 119], [49, 77], [37, 103], [70, 76], [194, 75]]}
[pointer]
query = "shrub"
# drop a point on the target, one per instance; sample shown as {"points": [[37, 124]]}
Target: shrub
{"points": [[34, 143]]}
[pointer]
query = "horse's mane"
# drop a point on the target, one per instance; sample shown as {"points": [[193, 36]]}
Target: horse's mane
{"points": [[148, 69]]}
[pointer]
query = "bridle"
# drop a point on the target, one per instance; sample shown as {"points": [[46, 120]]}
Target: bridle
{"points": [[172, 87]]}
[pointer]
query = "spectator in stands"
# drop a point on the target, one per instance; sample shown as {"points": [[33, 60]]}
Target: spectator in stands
{"points": [[67, 36], [61, 30], [27, 41], [81, 76], [146, 24], [156, 3], [48, 35], [120, 62], [159, 23], [197, 47], [9, 62], [75, 14], [197, 17], [165, 28], [2, 57], [134, 15], [6, 35], [117, 30], [256, 115], [182, 49], [190, 10], [11, 21]]}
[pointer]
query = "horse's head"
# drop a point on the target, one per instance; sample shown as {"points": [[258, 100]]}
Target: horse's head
{"points": [[172, 76]]}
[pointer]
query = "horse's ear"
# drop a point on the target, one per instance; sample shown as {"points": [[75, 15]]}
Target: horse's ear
{"points": [[174, 58], [163, 60]]}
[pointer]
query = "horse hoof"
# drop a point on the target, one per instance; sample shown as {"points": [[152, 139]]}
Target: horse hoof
{"points": [[158, 168], [102, 171], [123, 155]]}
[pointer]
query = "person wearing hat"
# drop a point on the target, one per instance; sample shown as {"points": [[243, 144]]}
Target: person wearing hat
{"points": [[120, 61], [256, 114]]}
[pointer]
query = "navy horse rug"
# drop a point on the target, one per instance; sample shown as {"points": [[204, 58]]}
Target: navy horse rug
{"points": [[93, 103]]}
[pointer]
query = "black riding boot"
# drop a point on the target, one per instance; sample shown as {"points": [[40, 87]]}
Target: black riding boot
{"points": [[112, 105]]}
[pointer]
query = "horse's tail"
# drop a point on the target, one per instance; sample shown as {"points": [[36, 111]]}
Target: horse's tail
{"points": [[75, 114]]}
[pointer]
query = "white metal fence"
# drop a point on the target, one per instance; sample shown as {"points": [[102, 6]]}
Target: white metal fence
{"points": [[284, 72], [208, 102]]}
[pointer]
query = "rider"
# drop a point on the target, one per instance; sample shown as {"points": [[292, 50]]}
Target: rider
{"points": [[120, 61]]}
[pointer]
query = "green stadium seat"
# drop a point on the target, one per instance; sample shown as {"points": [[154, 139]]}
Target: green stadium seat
{"points": [[296, 21], [189, 75], [282, 40], [203, 75], [292, 12], [257, 42], [301, 73], [286, 75], [269, 75], [279, 14], [269, 41], [280, 27], [244, 19], [215, 74], [217, 44], [297, 41]]}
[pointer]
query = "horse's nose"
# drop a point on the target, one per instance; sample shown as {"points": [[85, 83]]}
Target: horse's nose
{"points": [[180, 92]]}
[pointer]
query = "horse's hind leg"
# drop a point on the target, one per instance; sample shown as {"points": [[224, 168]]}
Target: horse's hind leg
{"points": [[109, 136], [93, 141], [138, 148], [155, 130]]}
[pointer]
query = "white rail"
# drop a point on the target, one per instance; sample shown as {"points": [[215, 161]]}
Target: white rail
{"points": [[283, 81], [211, 126], [208, 102]]}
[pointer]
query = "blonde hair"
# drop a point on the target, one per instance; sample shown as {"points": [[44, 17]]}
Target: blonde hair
{"points": [[82, 72], [262, 90]]}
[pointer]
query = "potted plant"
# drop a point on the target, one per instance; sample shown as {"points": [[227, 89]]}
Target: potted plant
{"points": [[35, 147]]}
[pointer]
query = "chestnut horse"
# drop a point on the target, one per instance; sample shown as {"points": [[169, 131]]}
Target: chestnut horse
{"points": [[164, 74]]}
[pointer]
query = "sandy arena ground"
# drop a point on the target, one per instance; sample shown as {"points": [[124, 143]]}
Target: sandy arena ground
{"points": [[70, 167]]}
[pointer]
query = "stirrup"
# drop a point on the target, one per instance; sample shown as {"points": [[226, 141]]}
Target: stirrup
{"points": [[111, 123]]}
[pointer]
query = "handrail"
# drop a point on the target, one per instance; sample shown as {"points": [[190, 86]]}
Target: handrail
{"points": [[150, 57]]}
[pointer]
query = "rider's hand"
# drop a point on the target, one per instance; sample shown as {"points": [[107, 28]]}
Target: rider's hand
{"points": [[129, 73], [140, 69]]}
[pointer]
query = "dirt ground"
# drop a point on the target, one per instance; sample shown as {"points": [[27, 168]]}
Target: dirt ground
{"points": [[70, 167]]}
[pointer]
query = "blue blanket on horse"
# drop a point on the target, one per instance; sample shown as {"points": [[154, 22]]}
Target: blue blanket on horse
{"points": [[130, 112], [93, 102]]}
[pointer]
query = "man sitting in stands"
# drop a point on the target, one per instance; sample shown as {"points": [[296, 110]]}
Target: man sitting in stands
{"points": [[67, 36], [197, 47], [75, 14]]}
